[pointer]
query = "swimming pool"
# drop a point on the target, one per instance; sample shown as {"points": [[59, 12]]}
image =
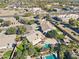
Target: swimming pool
{"points": [[50, 56], [46, 46]]}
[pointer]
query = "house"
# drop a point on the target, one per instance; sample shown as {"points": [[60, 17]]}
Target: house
{"points": [[6, 41], [46, 26], [65, 18], [35, 37], [34, 9]]}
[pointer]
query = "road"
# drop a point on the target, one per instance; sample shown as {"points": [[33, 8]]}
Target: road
{"points": [[61, 13], [11, 15]]}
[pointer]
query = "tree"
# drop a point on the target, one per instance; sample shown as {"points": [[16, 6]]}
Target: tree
{"points": [[21, 30], [33, 51], [53, 33], [50, 34], [27, 14], [42, 4], [57, 48], [60, 36], [22, 21], [30, 22], [72, 22], [17, 17], [17, 38], [6, 23], [67, 55], [77, 24], [10, 31], [25, 21], [48, 17], [37, 49], [1, 20], [74, 57], [6, 55], [0, 30], [21, 50]]}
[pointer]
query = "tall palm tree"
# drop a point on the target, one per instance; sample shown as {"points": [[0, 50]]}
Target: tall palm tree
{"points": [[58, 50]]}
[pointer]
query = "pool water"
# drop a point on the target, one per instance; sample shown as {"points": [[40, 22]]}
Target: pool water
{"points": [[51, 56], [46, 46]]}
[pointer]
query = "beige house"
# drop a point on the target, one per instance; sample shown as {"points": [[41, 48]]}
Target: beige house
{"points": [[45, 25], [35, 37]]}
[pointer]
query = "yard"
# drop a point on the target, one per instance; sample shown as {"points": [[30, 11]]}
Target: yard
{"points": [[7, 54]]}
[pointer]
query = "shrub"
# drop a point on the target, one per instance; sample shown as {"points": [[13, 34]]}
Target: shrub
{"points": [[27, 14], [1, 20], [21, 30], [6, 23], [17, 17], [11, 30]]}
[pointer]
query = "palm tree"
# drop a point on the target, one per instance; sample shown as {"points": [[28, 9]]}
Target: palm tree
{"points": [[67, 55], [57, 49], [50, 47], [58, 52]]}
